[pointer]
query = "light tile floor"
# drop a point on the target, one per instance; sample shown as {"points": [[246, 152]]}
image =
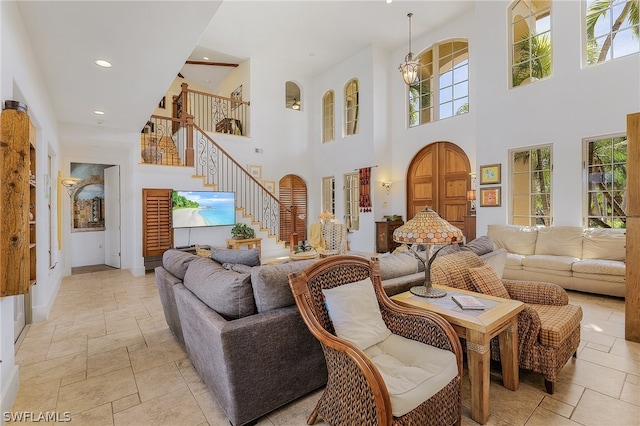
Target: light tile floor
{"points": [[107, 357]]}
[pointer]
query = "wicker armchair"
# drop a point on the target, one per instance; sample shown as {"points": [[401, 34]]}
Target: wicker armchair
{"points": [[355, 391], [548, 327]]}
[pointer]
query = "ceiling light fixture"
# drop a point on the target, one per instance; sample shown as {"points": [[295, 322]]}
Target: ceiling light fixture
{"points": [[205, 58], [102, 63], [98, 112], [409, 69]]}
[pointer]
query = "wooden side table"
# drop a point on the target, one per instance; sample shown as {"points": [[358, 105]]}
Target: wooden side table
{"points": [[249, 242], [500, 318]]}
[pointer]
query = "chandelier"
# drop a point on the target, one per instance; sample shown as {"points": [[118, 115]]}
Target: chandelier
{"points": [[409, 69]]}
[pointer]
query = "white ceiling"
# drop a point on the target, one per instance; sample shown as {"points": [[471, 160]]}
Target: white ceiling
{"points": [[148, 43]]}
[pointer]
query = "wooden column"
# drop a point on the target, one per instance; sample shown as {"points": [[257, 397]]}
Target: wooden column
{"points": [[189, 152], [632, 297]]}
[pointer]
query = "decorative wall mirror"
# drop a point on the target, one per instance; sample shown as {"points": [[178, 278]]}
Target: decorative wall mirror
{"points": [[292, 96]]}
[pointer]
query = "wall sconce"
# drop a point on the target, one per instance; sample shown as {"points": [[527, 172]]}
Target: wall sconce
{"points": [[69, 183], [387, 186], [471, 197]]}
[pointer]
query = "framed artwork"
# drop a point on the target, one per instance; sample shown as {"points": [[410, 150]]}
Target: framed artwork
{"points": [[255, 171], [236, 95], [270, 185], [490, 197], [490, 174]]}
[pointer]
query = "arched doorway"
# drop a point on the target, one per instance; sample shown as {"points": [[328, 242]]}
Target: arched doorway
{"points": [[438, 176], [292, 191]]}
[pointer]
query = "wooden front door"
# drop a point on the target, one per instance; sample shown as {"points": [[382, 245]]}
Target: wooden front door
{"points": [[438, 177]]}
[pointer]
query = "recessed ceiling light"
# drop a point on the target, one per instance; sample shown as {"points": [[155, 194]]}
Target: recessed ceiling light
{"points": [[205, 58], [103, 63], [98, 112]]}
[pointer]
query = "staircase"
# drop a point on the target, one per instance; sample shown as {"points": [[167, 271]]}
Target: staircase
{"points": [[180, 141]]}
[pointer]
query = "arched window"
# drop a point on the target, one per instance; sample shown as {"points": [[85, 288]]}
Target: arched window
{"points": [[530, 26], [328, 114], [292, 96], [443, 80], [453, 57], [351, 107]]}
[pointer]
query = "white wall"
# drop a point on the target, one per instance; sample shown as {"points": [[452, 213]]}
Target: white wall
{"points": [[405, 142], [573, 104], [21, 80]]}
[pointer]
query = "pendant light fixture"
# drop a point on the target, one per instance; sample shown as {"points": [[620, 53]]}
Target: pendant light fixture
{"points": [[409, 69]]}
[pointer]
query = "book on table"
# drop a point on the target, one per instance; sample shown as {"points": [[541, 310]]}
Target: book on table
{"points": [[467, 302]]}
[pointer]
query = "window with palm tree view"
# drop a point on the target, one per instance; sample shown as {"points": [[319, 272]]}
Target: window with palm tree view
{"points": [[449, 91], [612, 29], [606, 168], [531, 186], [531, 41]]}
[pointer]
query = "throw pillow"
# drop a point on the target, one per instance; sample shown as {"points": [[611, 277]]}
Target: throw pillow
{"points": [[355, 314], [226, 292], [486, 281], [496, 259], [246, 257], [481, 245]]}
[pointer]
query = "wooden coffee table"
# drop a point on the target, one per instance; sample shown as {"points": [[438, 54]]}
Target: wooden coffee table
{"points": [[499, 318]]}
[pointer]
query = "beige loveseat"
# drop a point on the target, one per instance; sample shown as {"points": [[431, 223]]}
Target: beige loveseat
{"points": [[591, 259]]}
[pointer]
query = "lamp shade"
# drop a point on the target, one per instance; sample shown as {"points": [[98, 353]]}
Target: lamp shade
{"points": [[427, 227], [471, 195]]}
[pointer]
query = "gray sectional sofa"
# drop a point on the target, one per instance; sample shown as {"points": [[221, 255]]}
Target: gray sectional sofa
{"points": [[242, 329]]}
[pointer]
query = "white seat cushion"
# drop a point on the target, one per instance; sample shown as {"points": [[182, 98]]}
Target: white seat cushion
{"points": [[600, 266], [412, 371]]}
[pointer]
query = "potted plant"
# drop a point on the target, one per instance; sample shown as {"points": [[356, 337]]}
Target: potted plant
{"points": [[241, 231]]}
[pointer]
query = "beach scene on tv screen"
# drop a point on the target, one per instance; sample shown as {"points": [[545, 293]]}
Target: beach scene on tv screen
{"points": [[203, 208]]}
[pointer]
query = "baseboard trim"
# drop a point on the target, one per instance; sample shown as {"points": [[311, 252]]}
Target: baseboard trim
{"points": [[41, 312], [138, 271], [9, 392]]}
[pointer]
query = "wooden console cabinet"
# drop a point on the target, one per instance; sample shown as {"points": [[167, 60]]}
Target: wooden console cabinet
{"points": [[384, 235]]}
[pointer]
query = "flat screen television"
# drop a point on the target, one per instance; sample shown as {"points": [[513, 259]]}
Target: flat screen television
{"points": [[193, 209]]}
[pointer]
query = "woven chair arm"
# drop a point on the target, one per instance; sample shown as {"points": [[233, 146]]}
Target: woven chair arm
{"points": [[536, 292], [528, 330]]}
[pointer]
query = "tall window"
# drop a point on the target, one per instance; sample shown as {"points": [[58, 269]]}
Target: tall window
{"points": [[530, 40], [449, 91], [531, 186], [606, 169], [352, 200], [328, 113], [351, 107], [612, 29], [454, 78], [329, 194]]}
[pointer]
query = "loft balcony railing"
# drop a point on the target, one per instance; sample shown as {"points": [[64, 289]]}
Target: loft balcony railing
{"points": [[180, 142], [211, 112]]}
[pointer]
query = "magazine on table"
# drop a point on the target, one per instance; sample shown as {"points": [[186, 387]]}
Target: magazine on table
{"points": [[467, 302]]}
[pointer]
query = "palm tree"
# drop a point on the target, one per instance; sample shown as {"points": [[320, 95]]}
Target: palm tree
{"points": [[539, 161], [599, 9], [534, 58]]}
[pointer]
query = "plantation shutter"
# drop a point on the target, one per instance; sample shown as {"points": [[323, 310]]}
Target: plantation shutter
{"points": [[293, 192], [157, 230]]}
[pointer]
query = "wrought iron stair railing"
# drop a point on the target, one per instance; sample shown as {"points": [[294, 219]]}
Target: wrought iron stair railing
{"points": [[180, 142]]}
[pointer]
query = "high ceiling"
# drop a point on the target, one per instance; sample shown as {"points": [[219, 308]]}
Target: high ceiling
{"points": [[148, 43]]}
